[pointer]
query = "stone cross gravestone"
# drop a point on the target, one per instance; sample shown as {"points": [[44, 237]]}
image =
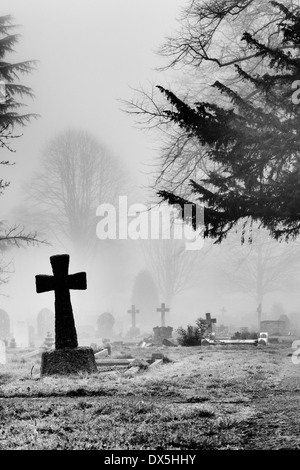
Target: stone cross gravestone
{"points": [[61, 282], [67, 357], [209, 322], [163, 311], [223, 311], [133, 313]]}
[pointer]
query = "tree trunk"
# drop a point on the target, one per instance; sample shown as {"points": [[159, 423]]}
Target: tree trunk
{"points": [[259, 310]]}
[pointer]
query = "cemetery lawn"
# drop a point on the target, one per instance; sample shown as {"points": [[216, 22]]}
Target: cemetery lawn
{"points": [[241, 397]]}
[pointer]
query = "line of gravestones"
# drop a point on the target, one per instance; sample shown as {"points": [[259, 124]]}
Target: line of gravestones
{"points": [[68, 357], [45, 328]]}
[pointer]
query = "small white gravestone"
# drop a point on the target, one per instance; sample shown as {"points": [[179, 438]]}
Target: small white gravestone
{"points": [[2, 352], [263, 338], [21, 334]]}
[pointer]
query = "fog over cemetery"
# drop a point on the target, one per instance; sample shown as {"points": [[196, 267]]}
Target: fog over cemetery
{"points": [[149, 236]]}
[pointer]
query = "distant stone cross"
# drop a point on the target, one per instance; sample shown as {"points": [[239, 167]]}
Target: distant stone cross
{"points": [[209, 322], [163, 311], [223, 311], [61, 282], [133, 313]]}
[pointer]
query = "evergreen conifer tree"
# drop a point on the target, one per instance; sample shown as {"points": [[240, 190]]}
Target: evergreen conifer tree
{"points": [[12, 94], [252, 144], [11, 89]]}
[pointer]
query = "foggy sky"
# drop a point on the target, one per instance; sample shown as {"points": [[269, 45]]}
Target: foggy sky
{"points": [[90, 53]]}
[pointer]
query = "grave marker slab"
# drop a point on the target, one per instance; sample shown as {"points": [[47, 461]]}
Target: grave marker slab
{"points": [[162, 332], [156, 363], [101, 354], [113, 362], [36, 352], [156, 356]]}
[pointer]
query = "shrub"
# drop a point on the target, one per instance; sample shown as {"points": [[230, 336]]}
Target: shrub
{"points": [[189, 337], [193, 335], [244, 335]]}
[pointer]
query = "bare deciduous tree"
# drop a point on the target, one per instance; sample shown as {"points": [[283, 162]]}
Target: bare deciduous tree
{"points": [[173, 268], [77, 174], [258, 268]]}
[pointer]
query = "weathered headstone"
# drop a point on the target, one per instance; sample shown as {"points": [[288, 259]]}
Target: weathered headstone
{"points": [[2, 352], [274, 327], [161, 333], [105, 325], [156, 356], [157, 362], [107, 345], [102, 353], [163, 311], [4, 324], [49, 340], [263, 338], [67, 358]]}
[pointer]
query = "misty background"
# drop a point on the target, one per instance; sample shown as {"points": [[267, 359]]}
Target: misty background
{"points": [[91, 54]]}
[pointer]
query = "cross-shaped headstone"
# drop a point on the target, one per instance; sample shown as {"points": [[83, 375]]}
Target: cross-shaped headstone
{"points": [[209, 322], [133, 313], [61, 282], [163, 311]]}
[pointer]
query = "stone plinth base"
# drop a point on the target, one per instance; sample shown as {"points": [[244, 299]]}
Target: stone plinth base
{"points": [[133, 332], [161, 333], [68, 361]]}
